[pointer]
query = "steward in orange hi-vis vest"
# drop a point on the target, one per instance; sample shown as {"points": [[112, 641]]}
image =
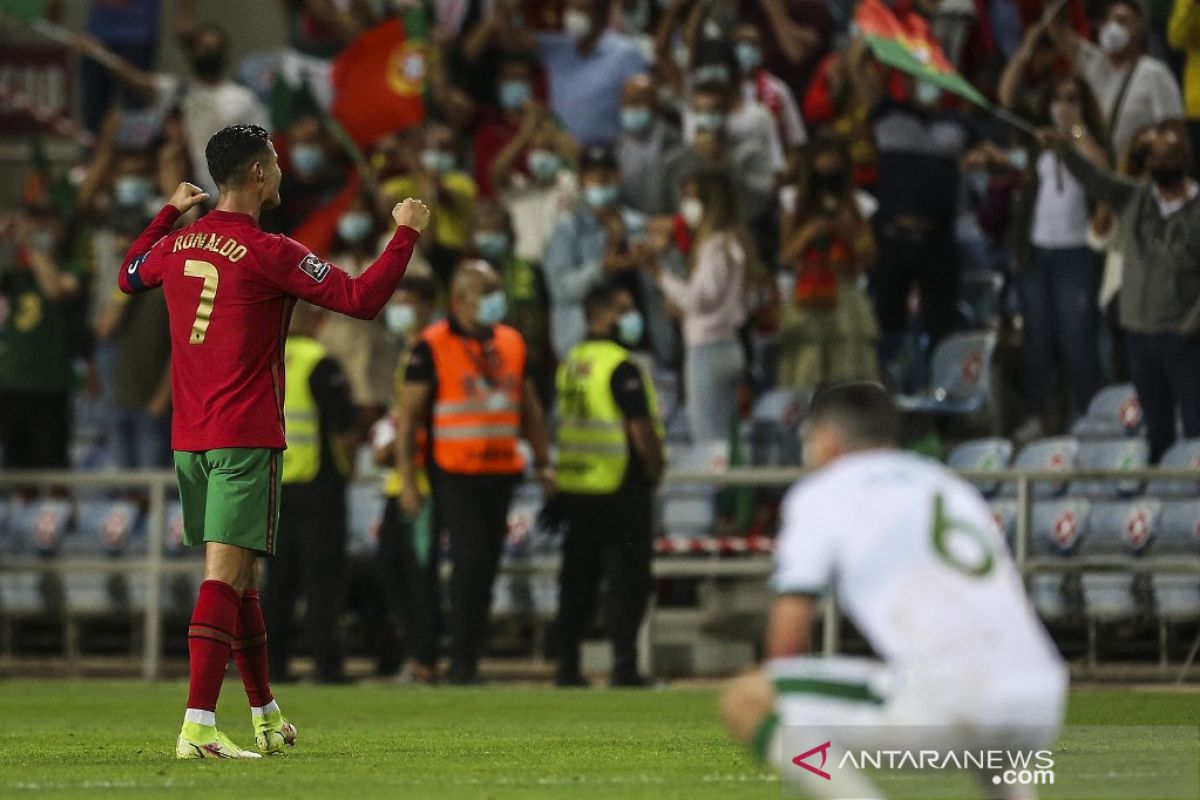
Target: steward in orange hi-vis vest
{"points": [[476, 418]]}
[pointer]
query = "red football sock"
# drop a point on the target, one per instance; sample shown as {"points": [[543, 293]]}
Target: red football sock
{"points": [[210, 637], [250, 650]]}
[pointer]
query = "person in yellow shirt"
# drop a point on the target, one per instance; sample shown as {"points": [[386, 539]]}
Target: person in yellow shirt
{"points": [[432, 163], [408, 547]]}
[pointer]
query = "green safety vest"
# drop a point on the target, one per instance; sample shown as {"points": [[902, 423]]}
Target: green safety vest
{"points": [[593, 450], [302, 459]]}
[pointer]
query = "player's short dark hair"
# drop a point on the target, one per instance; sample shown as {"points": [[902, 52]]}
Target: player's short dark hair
{"points": [[600, 298], [232, 150], [863, 411], [422, 287]]}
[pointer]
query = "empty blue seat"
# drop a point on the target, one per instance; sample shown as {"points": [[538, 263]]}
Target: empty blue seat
{"points": [[39, 526], [961, 369], [1111, 454], [1055, 454], [689, 510], [774, 428], [1114, 411], [103, 528], [1122, 528], [1004, 512], [982, 455], [1059, 526], [1184, 454]]}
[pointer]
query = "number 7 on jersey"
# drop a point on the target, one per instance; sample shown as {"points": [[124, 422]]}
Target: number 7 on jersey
{"points": [[208, 295]]}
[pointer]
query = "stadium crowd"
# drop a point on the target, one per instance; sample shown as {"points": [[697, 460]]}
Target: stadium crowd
{"points": [[782, 210]]}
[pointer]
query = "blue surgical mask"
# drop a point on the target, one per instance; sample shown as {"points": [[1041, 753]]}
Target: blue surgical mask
{"points": [[438, 161], [600, 195], [544, 165], [630, 328], [132, 190], [514, 94], [708, 120], [711, 73], [635, 119], [354, 226], [400, 319], [493, 308], [307, 158], [927, 94], [492, 245], [748, 55]]}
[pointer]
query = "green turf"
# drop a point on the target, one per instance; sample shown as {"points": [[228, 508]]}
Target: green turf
{"points": [[115, 739]]}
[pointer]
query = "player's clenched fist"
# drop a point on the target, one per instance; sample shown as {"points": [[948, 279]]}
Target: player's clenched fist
{"points": [[411, 212], [187, 196]]}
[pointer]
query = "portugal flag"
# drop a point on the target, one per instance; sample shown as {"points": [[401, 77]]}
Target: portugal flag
{"points": [[910, 47], [379, 80]]}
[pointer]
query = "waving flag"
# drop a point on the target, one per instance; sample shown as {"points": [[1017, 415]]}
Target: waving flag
{"points": [[380, 79], [909, 46]]}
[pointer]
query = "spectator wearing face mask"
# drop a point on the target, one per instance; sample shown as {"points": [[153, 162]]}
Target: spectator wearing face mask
{"points": [[827, 327], [432, 169], [212, 101], [1133, 89], [587, 66], [768, 90], [919, 147], [647, 140], [513, 112], [546, 189], [711, 301], [364, 349], [1059, 276], [1159, 228], [409, 551], [1026, 76], [524, 287], [312, 176], [597, 240], [711, 144]]}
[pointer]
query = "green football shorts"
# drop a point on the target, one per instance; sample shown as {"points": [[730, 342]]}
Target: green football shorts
{"points": [[230, 495]]}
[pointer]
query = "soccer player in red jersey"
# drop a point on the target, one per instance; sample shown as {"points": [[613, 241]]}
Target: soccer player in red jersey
{"points": [[230, 289]]}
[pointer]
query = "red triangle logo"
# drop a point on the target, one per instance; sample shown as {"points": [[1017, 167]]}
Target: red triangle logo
{"points": [[823, 749]]}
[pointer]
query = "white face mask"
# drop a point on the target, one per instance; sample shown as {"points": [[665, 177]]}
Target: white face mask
{"points": [[577, 24], [692, 211], [1114, 37]]}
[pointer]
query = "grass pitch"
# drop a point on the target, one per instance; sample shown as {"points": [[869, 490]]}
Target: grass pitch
{"points": [[109, 739]]}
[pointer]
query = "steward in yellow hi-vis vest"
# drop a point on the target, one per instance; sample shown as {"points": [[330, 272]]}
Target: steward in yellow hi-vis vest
{"points": [[310, 557], [593, 447], [610, 459]]}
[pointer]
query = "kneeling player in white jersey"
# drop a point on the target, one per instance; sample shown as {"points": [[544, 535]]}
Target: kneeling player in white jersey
{"points": [[917, 563]]}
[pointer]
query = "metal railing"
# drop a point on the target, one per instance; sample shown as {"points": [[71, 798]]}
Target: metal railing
{"points": [[158, 484]]}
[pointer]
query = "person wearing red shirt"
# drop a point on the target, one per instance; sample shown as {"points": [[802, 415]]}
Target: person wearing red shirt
{"points": [[230, 289]]}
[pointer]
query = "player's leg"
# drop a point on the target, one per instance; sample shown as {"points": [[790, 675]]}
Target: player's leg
{"points": [[210, 634], [748, 710], [244, 493]]}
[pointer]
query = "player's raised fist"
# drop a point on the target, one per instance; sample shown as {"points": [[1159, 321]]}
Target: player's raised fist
{"points": [[411, 212], [187, 196]]}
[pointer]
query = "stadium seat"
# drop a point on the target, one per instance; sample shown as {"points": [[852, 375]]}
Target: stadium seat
{"points": [[1122, 528], [1056, 454], [1046, 594], [961, 367], [1111, 454], [1183, 454], [982, 455], [103, 528], [1176, 595], [774, 427], [1059, 526], [979, 298], [1114, 411], [1004, 512], [39, 526]]}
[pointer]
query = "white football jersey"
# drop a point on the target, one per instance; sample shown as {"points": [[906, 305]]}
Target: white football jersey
{"points": [[916, 560]]}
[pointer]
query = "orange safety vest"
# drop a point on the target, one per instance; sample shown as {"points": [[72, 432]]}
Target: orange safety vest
{"points": [[477, 408]]}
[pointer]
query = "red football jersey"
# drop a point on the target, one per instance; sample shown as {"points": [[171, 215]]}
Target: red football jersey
{"points": [[230, 289]]}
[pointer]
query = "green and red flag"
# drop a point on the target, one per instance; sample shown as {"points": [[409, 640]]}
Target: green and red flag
{"points": [[24, 10], [909, 46], [379, 80]]}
